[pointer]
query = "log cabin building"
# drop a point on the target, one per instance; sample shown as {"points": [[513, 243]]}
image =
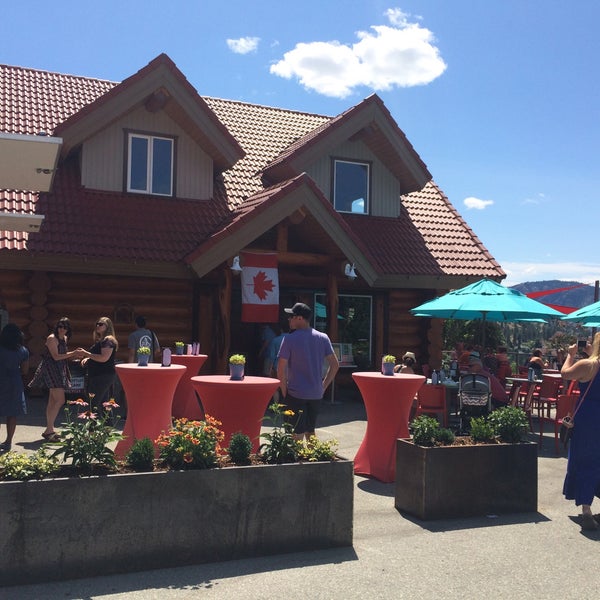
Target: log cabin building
{"points": [[157, 189]]}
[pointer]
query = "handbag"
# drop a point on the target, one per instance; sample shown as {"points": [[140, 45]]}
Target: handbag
{"points": [[567, 423]]}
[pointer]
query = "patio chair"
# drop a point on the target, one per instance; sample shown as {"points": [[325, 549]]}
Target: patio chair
{"points": [[546, 397], [431, 400], [565, 404]]}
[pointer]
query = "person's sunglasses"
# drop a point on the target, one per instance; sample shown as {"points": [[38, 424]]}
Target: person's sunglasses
{"points": [[61, 327], [99, 324]]}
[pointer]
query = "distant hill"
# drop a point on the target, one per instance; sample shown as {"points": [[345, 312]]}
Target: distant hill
{"points": [[578, 297]]}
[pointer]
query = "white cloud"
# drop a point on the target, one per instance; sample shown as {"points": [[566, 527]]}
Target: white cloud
{"points": [[577, 271], [243, 45], [476, 203], [402, 54], [537, 199]]}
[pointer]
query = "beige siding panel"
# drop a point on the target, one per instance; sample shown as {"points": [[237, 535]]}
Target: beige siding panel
{"points": [[385, 188], [103, 156]]}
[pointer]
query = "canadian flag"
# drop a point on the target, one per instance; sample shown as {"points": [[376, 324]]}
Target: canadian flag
{"points": [[260, 288]]}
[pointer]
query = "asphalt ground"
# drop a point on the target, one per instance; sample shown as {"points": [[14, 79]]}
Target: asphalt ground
{"points": [[531, 555]]}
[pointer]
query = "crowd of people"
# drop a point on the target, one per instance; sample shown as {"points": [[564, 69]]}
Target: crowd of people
{"points": [[305, 363]]}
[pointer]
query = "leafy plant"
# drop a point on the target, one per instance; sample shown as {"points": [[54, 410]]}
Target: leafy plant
{"points": [[445, 437], [389, 358], [84, 440], [179, 344], [318, 450], [481, 430], [280, 446], [21, 467], [237, 359], [509, 423], [141, 455], [143, 350], [191, 444], [425, 430], [239, 449]]}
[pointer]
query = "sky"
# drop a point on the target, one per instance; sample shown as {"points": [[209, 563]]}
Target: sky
{"points": [[500, 98]]}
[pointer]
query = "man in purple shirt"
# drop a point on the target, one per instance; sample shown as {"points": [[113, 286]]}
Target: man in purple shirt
{"points": [[302, 358]]}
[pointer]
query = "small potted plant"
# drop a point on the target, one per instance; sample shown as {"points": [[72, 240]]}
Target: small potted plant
{"points": [[237, 363], [179, 346], [143, 356], [388, 362]]}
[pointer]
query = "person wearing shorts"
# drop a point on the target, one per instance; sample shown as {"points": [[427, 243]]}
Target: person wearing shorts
{"points": [[306, 366]]}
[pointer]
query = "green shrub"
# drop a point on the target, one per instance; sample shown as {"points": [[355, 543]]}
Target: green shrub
{"points": [[141, 455], [22, 467], [425, 430], [481, 430], [318, 450], [445, 437], [239, 449], [509, 423]]}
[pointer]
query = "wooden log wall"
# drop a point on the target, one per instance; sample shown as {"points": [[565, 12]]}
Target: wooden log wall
{"points": [[36, 300], [415, 334]]}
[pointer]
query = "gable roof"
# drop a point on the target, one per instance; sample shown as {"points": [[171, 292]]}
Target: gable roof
{"points": [[160, 85], [369, 121], [429, 238]]}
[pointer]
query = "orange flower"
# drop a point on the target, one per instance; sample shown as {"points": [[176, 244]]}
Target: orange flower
{"points": [[187, 457]]}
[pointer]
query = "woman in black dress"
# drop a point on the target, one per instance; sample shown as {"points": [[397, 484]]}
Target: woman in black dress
{"points": [[100, 363]]}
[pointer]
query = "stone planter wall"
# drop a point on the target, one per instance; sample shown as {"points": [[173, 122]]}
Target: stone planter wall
{"points": [[465, 481], [58, 529]]}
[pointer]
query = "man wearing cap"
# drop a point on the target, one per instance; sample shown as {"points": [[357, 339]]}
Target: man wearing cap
{"points": [[300, 368]]}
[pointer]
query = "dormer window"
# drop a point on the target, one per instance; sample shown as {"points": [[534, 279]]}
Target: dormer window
{"points": [[150, 164], [351, 186]]}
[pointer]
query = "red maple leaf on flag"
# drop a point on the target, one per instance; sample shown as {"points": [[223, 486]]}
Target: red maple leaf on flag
{"points": [[262, 285]]}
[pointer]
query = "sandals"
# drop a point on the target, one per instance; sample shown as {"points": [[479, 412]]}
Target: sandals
{"points": [[588, 523], [5, 447], [51, 437]]}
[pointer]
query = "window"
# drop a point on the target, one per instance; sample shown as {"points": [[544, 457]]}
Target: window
{"points": [[150, 161], [355, 320], [351, 187]]}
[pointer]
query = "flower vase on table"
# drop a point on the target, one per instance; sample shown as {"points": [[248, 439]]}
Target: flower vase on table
{"points": [[179, 348], [143, 356], [388, 362], [237, 362]]}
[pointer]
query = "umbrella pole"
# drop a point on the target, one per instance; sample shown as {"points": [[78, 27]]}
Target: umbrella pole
{"points": [[483, 321]]}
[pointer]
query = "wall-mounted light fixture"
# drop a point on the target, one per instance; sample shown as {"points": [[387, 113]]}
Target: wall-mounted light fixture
{"points": [[350, 271], [235, 265]]}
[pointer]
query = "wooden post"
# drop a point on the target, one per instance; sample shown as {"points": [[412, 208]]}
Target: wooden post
{"points": [[333, 305], [223, 326]]}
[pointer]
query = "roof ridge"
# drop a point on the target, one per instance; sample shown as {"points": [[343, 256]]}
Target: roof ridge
{"points": [[285, 110]]}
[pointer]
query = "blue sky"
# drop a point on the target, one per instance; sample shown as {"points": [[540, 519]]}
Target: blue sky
{"points": [[499, 98]]}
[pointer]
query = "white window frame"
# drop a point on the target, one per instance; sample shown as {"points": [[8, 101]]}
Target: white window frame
{"points": [[149, 163], [366, 199]]}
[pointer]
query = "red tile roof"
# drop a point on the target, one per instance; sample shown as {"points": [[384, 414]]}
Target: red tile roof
{"points": [[435, 240]]}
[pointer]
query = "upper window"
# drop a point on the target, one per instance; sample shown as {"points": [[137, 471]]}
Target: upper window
{"points": [[150, 160], [351, 187]]}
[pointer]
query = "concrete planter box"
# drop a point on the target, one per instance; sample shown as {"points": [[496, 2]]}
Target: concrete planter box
{"points": [[465, 481], [57, 529]]}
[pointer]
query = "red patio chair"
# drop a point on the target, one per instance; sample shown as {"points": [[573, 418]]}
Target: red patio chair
{"points": [[565, 404], [431, 400]]}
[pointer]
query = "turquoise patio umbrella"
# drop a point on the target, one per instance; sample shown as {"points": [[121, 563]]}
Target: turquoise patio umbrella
{"points": [[486, 300], [588, 316]]}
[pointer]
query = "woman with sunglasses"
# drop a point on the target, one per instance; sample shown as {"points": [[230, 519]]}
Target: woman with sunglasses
{"points": [[100, 363], [53, 373]]}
